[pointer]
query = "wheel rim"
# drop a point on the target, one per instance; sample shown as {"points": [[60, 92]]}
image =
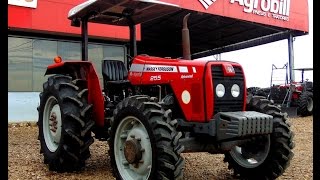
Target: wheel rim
{"points": [[132, 149], [310, 104], [251, 158], [52, 124]]}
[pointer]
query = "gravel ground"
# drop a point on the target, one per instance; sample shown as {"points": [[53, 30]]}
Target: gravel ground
{"points": [[25, 162]]}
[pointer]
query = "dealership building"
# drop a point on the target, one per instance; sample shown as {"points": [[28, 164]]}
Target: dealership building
{"points": [[39, 30]]}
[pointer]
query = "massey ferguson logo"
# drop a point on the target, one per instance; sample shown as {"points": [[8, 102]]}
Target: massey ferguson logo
{"points": [[207, 3], [230, 69]]}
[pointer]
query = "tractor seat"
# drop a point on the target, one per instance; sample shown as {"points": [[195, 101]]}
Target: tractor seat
{"points": [[114, 72]]}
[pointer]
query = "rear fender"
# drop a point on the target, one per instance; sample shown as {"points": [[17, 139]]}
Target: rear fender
{"points": [[84, 70]]}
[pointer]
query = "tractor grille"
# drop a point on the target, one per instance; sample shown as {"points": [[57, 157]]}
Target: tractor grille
{"points": [[227, 103]]}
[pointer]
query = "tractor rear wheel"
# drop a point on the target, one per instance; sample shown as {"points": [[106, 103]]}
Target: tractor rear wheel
{"points": [[144, 143], [305, 104], [265, 157], [65, 123]]}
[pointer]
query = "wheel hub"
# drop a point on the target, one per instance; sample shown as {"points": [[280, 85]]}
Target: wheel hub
{"points": [[53, 122], [132, 151]]}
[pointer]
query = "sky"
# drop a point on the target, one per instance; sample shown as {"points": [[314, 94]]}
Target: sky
{"points": [[257, 61]]}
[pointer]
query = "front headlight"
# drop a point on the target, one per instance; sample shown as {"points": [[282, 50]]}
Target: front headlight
{"points": [[235, 90], [220, 90]]}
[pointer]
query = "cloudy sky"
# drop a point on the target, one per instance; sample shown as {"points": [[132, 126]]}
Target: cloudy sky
{"points": [[257, 61]]}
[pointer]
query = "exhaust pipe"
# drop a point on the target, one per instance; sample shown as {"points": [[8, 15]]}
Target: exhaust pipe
{"points": [[186, 39]]}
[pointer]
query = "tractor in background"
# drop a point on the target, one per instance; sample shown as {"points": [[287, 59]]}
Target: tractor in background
{"points": [[303, 94], [295, 98], [156, 109]]}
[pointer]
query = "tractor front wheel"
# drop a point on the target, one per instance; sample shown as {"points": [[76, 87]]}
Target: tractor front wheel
{"points": [[65, 123], [144, 143], [267, 156], [305, 104]]}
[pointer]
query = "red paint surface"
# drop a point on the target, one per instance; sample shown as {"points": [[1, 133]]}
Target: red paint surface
{"points": [[195, 85], [299, 19], [51, 16], [95, 96], [295, 95], [56, 65]]}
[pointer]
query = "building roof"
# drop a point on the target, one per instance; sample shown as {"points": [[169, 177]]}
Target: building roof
{"points": [[216, 26]]}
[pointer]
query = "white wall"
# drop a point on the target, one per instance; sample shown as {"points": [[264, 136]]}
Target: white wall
{"points": [[22, 106]]}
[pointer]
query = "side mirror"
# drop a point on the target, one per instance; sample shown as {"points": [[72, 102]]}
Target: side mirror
{"points": [[75, 22]]}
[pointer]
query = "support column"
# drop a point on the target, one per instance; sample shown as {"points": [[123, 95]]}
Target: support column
{"points": [[133, 41], [291, 66], [84, 39], [291, 58]]}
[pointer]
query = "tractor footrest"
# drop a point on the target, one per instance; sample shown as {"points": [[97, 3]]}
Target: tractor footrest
{"points": [[243, 123]]}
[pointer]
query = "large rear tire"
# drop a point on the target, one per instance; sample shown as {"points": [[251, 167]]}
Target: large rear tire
{"points": [[65, 123], [305, 104], [144, 143], [265, 157]]}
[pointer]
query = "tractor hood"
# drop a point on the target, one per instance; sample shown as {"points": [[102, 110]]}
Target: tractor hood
{"points": [[115, 12], [191, 79], [197, 68], [146, 59], [167, 60]]}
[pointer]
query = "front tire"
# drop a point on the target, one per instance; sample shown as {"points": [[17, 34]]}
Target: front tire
{"points": [[265, 157], [305, 104], [144, 143], [65, 123]]}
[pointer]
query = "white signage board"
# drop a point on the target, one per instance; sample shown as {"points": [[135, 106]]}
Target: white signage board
{"points": [[24, 3]]}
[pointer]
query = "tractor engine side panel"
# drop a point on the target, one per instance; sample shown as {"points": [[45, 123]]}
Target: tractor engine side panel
{"points": [[184, 77], [193, 83]]}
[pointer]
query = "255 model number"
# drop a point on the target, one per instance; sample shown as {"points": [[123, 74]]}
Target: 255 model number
{"points": [[155, 78]]}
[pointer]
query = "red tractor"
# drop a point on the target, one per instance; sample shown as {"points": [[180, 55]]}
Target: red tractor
{"points": [[294, 98], [158, 109]]}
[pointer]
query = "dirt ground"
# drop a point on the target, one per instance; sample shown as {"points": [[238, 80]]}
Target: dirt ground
{"points": [[25, 162]]}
